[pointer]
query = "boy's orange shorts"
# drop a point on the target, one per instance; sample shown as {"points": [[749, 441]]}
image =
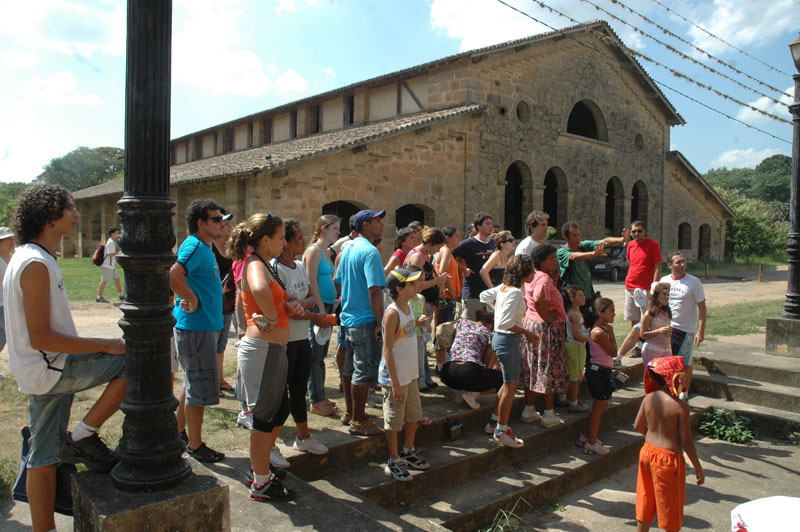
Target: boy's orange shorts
{"points": [[661, 487]]}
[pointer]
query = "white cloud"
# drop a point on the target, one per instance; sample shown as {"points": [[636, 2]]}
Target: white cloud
{"points": [[329, 72], [765, 104], [19, 59], [743, 24], [291, 81], [56, 90], [748, 158]]}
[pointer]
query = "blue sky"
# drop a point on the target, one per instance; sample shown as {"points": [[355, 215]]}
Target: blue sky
{"points": [[62, 63]]}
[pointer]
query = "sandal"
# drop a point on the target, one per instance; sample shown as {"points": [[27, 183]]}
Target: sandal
{"points": [[324, 410], [425, 421], [226, 387]]}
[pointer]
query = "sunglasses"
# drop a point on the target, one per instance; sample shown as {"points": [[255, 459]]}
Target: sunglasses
{"points": [[634, 231], [270, 216], [215, 219]]}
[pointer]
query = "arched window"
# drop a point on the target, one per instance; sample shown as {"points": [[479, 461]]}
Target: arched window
{"points": [[685, 236], [615, 207], [587, 120], [555, 196], [639, 202], [413, 213], [704, 247], [344, 210], [518, 197]]}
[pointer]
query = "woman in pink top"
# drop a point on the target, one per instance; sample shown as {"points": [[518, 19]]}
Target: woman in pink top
{"points": [[545, 360]]}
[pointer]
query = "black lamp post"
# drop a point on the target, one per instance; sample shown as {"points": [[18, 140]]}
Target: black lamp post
{"points": [[791, 306]]}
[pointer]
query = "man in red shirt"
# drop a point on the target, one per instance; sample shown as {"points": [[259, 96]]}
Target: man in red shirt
{"points": [[644, 255]]}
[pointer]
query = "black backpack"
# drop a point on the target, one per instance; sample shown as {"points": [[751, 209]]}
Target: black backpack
{"points": [[99, 255]]}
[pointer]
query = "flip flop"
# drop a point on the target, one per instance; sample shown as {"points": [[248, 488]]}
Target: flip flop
{"points": [[425, 421], [224, 386]]}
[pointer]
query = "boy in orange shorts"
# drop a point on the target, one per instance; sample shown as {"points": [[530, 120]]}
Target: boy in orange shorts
{"points": [[664, 421]]}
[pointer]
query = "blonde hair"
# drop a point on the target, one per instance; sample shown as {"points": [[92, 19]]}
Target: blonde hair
{"points": [[325, 220]]}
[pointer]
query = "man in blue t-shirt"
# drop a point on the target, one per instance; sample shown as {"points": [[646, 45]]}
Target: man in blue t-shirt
{"points": [[471, 254], [198, 314], [360, 274]]}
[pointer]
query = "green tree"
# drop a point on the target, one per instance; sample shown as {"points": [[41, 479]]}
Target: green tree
{"points": [[9, 192], [84, 167], [755, 232], [773, 179]]}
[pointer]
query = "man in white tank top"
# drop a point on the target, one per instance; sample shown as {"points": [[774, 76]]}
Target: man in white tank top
{"points": [[50, 361]]}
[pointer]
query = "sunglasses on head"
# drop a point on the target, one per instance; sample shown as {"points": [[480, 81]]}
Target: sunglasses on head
{"points": [[270, 216]]}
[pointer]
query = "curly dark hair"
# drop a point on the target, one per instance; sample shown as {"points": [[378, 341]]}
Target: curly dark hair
{"points": [[540, 253], [37, 206], [198, 210], [518, 268]]}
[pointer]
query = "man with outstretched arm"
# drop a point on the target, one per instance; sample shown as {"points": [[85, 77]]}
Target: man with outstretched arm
{"points": [[50, 361]]}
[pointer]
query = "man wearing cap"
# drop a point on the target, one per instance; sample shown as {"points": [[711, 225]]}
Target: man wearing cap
{"points": [[198, 319], [6, 247], [687, 301], [360, 274], [644, 255], [109, 268]]}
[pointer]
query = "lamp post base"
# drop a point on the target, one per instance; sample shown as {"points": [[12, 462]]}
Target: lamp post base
{"points": [[783, 337]]}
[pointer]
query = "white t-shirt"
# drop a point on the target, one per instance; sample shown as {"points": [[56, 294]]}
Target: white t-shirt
{"points": [[296, 282], [337, 246], [405, 352], [3, 266], [525, 246], [36, 371], [684, 295], [509, 307], [111, 247]]}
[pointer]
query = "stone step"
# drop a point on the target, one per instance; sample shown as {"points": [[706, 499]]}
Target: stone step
{"points": [[771, 422], [745, 390], [746, 364], [470, 457]]}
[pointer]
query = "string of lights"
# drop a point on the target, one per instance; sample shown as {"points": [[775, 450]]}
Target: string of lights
{"points": [[701, 28], [681, 39], [685, 56]]}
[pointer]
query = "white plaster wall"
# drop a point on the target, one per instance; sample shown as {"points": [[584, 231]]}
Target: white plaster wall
{"points": [[281, 127], [383, 102], [240, 137], [332, 114]]}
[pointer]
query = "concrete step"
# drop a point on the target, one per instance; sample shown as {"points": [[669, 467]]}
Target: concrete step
{"points": [[745, 390], [770, 422], [746, 364], [467, 459]]}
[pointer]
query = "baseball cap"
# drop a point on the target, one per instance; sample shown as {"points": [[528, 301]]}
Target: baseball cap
{"points": [[363, 216], [5, 232], [640, 297], [400, 276], [225, 215]]}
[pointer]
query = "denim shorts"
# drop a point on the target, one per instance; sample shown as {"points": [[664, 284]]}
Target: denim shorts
{"points": [[363, 354], [222, 339], [49, 413], [683, 345], [197, 353], [507, 348]]}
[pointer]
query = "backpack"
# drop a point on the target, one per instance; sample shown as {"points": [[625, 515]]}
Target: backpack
{"points": [[99, 255]]}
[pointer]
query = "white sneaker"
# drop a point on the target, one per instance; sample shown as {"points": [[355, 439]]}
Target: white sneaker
{"points": [[551, 421], [529, 414], [582, 441], [508, 439], [277, 459], [618, 361], [683, 397], [310, 445], [471, 398], [457, 397], [245, 420], [597, 448]]}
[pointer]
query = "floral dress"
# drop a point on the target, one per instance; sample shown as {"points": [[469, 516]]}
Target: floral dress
{"points": [[544, 362]]}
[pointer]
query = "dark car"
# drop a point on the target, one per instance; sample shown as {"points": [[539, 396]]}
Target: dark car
{"points": [[612, 265]]}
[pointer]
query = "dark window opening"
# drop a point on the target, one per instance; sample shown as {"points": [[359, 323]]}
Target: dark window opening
{"points": [[293, 124], [551, 198], [704, 248], [344, 210], [513, 205], [349, 109], [407, 214], [685, 236], [581, 121], [314, 120]]}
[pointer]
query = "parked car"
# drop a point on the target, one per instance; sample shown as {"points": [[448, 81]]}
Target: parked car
{"points": [[612, 265]]}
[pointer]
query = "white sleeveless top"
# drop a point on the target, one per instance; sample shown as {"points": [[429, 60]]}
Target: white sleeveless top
{"points": [[405, 350], [36, 371]]}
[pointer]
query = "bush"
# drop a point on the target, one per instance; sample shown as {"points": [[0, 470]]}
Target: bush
{"points": [[721, 424]]}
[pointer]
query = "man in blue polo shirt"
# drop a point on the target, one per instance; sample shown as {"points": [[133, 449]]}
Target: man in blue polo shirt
{"points": [[361, 277], [198, 313]]}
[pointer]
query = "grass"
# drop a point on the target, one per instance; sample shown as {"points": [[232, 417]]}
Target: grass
{"points": [[81, 278], [741, 318]]}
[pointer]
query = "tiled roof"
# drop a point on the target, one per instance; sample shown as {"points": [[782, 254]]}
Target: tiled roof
{"points": [[405, 73], [679, 157], [276, 156]]}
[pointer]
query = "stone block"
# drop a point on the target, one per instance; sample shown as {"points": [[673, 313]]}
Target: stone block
{"points": [[783, 337], [201, 503]]}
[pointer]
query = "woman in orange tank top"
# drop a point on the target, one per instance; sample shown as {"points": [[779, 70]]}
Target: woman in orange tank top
{"points": [[262, 351]]}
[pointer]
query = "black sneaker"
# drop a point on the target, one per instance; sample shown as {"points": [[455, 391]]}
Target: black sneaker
{"points": [[90, 451], [100, 299], [184, 439], [273, 490], [414, 461], [204, 453], [280, 474], [397, 469]]}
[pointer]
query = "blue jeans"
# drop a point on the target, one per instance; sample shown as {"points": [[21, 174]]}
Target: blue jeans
{"points": [[363, 354], [49, 413], [425, 380], [507, 348], [316, 381]]}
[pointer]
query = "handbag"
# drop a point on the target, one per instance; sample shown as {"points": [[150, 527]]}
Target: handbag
{"points": [[228, 294], [64, 472]]}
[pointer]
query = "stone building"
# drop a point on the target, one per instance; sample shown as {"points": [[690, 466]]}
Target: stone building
{"points": [[566, 122]]}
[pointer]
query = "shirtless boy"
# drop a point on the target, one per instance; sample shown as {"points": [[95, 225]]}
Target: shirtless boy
{"points": [[664, 420]]}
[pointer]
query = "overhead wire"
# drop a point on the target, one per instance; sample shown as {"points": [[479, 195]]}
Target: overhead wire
{"points": [[701, 28]]}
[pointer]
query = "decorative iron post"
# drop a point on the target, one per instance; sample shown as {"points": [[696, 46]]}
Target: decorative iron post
{"points": [[150, 449], [791, 306]]}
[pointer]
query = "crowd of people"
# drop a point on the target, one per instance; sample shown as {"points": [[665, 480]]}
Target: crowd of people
{"points": [[500, 315]]}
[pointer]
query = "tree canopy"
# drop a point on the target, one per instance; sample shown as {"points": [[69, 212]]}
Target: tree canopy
{"points": [[769, 181], [84, 167]]}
